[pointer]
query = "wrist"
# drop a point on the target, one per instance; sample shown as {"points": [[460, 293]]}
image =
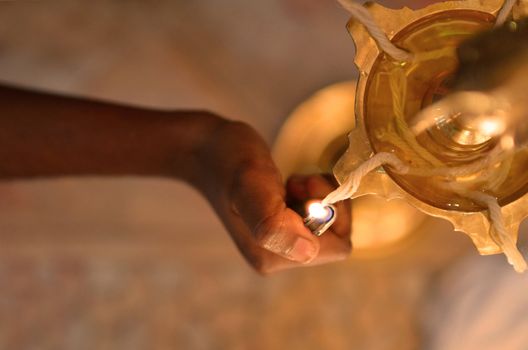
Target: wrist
{"points": [[189, 144], [45, 135]]}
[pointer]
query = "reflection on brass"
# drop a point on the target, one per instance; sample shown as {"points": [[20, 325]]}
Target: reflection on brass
{"points": [[380, 223], [432, 34], [311, 141], [313, 137]]}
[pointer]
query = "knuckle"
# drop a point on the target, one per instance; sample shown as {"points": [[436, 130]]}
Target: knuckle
{"points": [[269, 233], [263, 230]]}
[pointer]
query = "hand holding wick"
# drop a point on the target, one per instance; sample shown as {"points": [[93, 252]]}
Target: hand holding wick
{"points": [[249, 196]]}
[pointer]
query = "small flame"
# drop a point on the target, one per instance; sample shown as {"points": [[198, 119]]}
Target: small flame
{"points": [[317, 210]]}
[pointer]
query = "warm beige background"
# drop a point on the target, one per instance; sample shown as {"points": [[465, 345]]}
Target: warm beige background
{"points": [[144, 264]]}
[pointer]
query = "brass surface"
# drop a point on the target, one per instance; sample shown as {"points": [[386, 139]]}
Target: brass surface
{"points": [[402, 25], [439, 32]]}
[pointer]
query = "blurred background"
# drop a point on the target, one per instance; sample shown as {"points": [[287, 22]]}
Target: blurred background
{"points": [[143, 263]]}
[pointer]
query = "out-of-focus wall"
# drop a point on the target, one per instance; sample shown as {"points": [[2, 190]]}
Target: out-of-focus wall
{"points": [[248, 60]]}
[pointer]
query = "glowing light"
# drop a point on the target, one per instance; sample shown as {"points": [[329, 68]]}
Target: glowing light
{"points": [[507, 142], [491, 126], [317, 210], [379, 224]]}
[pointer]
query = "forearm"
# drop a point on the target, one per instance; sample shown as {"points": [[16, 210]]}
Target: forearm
{"points": [[47, 135]]}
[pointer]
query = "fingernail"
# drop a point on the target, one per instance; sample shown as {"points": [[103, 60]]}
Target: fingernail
{"points": [[300, 249]]}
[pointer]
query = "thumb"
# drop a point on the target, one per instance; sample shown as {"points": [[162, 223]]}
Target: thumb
{"points": [[284, 233], [258, 196]]}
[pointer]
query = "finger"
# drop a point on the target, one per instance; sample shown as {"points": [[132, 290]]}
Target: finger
{"points": [[258, 195], [332, 248], [262, 260]]}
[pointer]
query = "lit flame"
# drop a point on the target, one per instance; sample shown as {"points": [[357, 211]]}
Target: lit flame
{"points": [[317, 210]]}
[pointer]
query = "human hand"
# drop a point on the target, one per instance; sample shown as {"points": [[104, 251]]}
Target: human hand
{"points": [[245, 188]]}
